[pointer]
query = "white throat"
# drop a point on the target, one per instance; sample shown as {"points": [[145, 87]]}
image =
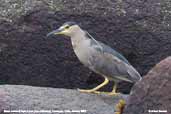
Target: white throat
{"points": [[78, 38]]}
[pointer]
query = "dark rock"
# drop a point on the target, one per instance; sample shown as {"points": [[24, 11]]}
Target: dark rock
{"points": [[153, 92], [138, 29], [21, 97]]}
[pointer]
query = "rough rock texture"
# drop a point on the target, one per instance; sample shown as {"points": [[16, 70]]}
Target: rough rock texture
{"points": [[153, 92], [38, 98], [139, 29]]}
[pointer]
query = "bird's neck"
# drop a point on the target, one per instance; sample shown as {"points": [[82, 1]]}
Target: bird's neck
{"points": [[78, 38]]}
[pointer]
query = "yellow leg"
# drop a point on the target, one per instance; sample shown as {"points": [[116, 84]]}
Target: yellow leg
{"points": [[112, 93], [94, 90]]}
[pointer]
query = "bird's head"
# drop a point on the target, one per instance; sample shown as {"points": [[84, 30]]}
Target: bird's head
{"points": [[67, 29]]}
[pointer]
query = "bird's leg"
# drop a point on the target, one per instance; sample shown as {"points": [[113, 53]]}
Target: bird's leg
{"points": [[94, 90], [112, 93]]}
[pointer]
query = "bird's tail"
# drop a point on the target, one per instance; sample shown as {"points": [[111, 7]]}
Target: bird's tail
{"points": [[135, 76]]}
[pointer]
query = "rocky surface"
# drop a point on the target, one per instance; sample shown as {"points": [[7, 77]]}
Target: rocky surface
{"points": [[153, 92], [139, 29], [16, 97]]}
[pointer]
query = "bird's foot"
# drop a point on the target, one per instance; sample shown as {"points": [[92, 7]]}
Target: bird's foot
{"points": [[86, 90], [120, 106], [107, 93], [98, 92]]}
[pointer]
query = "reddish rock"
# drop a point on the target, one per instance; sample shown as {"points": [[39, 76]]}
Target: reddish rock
{"points": [[153, 92]]}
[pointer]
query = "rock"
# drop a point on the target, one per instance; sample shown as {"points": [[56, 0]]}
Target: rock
{"points": [[10, 10], [21, 97], [153, 92], [138, 29]]}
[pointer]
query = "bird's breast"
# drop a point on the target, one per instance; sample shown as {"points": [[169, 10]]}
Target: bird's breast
{"points": [[83, 51]]}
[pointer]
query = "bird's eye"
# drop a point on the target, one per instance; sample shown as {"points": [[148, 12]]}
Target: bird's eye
{"points": [[67, 27]]}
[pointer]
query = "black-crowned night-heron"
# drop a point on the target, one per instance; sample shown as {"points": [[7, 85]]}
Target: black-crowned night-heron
{"points": [[98, 57]]}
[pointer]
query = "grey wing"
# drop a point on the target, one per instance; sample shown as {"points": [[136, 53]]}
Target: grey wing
{"points": [[122, 70], [107, 62]]}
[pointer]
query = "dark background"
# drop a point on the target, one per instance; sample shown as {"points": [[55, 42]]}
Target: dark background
{"points": [[139, 29]]}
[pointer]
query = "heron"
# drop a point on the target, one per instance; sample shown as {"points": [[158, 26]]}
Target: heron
{"points": [[98, 57]]}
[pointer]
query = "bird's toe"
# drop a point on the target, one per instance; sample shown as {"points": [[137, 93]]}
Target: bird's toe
{"points": [[86, 90], [107, 93]]}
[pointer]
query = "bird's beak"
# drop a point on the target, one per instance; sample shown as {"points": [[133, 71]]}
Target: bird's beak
{"points": [[54, 32]]}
